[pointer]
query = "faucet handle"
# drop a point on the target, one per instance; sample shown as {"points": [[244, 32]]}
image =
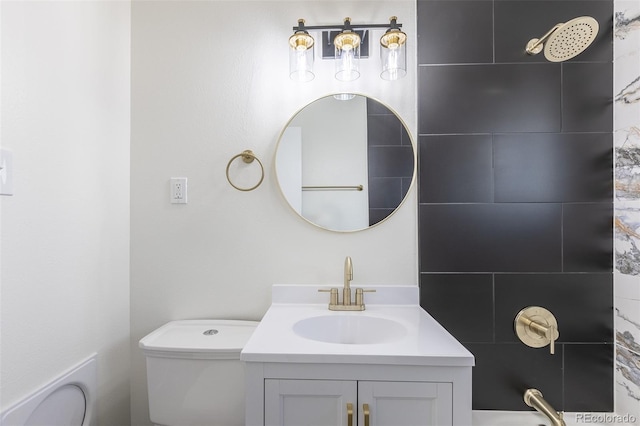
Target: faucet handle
{"points": [[333, 298], [360, 296]]}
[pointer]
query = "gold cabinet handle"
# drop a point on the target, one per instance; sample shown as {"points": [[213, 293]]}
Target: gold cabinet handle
{"points": [[349, 414], [365, 411]]}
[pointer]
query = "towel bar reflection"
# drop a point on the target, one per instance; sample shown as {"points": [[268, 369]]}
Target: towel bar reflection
{"points": [[334, 188], [247, 156]]}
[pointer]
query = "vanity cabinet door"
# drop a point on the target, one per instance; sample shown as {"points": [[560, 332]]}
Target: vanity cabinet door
{"points": [[405, 403], [309, 402]]}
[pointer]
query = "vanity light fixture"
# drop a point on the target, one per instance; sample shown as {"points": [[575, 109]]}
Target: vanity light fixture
{"points": [[301, 54], [347, 44], [393, 52]]}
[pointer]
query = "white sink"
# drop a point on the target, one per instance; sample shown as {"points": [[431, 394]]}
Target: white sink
{"points": [[393, 330], [350, 329]]}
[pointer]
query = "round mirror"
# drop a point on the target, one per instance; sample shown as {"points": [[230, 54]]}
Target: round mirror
{"points": [[345, 162]]}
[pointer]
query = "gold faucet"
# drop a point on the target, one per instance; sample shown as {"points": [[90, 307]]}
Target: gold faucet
{"points": [[533, 398], [346, 305], [348, 276]]}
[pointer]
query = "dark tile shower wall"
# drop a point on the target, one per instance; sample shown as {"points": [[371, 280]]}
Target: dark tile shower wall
{"points": [[390, 161], [515, 195]]}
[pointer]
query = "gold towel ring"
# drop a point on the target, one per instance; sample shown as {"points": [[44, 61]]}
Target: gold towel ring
{"points": [[247, 156]]}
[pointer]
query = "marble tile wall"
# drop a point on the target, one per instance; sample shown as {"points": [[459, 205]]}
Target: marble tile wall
{"points": [[627, 204]]}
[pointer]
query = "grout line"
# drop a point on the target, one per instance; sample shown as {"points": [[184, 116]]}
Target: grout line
{"points": [[493, 169], [493, 299], [493, 30], [562, 369], [562, 237]]}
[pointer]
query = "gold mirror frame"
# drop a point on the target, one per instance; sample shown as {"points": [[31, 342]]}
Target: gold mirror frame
{"points": [[347, 186]]}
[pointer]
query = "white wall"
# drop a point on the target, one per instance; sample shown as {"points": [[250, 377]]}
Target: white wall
{"points": [[209, 80], [65, 232]]}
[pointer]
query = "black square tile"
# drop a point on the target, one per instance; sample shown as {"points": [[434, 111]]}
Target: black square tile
{"points": [[517, 22], [461, 303], [406, 138], [587, 97], [377, 215], [385, 193], [455, 32], [456, 169], [588, 378], [377, 108], [581, 303], [406, 184], [587, 237], [490, 237], [384, 130], [552, 167], [391, 161], [489, 98], [503, 372]]}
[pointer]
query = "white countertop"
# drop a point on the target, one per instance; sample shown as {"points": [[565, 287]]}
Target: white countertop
{"points": [[425, 343]]}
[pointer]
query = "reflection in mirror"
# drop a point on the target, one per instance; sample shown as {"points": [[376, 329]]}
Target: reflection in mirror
{"points": [[345, 165]]}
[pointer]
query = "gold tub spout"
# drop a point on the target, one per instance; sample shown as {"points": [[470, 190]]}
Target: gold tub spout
{"points": [[533, 398]]}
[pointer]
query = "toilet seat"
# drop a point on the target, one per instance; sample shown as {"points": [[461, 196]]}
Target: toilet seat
{"points": [[66, 401]]}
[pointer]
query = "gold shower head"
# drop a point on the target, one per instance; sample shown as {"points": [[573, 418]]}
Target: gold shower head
{"points": [[565, 40]]}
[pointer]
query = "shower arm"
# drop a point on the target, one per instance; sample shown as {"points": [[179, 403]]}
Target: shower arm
{"points": [[535, 42], [533, 398]]}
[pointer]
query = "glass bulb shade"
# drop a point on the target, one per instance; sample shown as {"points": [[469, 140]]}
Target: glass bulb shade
{"points": [[301, 57], [301, 64], [347, 56], [394, 62]]}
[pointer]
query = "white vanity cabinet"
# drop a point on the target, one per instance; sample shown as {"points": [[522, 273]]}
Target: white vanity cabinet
{"points": [[362, 403], [299, 394], [308, 366], [406, 403], [302, 402]]}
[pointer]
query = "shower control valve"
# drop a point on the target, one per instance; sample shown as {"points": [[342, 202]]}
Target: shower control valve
{"points": [[536, 327]]}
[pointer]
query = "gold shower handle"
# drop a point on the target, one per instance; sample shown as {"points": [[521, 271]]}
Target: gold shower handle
{"points": [[551, 334], [546, 330], [537, 327]]}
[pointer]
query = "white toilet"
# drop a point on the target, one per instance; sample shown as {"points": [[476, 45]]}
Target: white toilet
{"points": [[194, 373], [68, 400]]}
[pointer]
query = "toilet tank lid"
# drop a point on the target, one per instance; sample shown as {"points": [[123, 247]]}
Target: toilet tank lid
{"points": [[199, 339]]}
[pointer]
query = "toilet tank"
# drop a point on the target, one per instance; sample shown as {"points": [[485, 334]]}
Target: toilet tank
{"points": [[194, 373]]}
